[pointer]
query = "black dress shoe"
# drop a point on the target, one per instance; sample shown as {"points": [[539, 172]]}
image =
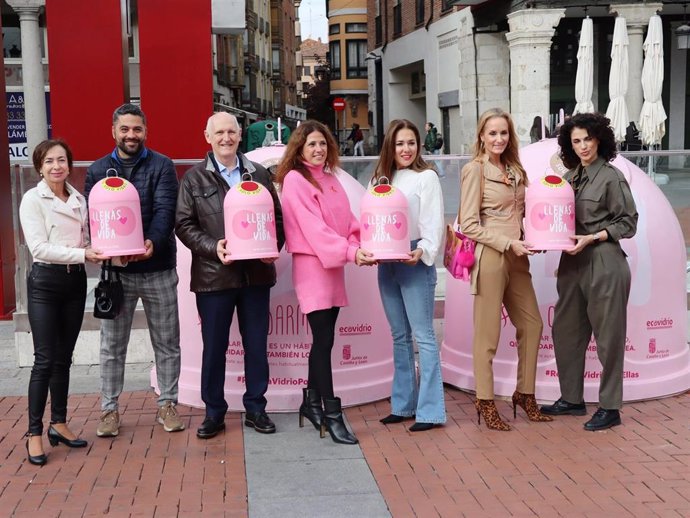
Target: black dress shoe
{"points": [[55, 438], [260, 422], [562, 407], [395, 419], [603, 419], [422, 427], [36, 460], [209, 428]]}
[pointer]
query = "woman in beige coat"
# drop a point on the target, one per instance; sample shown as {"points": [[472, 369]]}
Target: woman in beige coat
{"points": [[492, 207]]}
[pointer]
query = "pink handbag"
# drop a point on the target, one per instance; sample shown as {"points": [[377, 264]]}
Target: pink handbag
{"points": [[458, 257]]}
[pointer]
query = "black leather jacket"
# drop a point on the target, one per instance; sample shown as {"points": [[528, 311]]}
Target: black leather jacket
{"points": [[199, 224], [155, 180]]}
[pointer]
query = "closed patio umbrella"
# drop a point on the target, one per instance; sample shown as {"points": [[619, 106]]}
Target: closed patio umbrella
{"points": [[618, 80], [584, 77], [653, 115]]}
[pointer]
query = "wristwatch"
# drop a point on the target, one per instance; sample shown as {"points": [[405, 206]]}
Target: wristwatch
{"points": [[596, 237]]}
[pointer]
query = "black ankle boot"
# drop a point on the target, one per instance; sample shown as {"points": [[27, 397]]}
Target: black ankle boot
{"points": [[333, 422], [311, 408]]}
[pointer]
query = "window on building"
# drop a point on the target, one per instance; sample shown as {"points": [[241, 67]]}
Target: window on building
{"points": [[419, 12], [276, 61], [334, 29], [356, 54], [356, 27], [446, 5], [397, 19], [334, 59], [306, 70], [378, 31]]}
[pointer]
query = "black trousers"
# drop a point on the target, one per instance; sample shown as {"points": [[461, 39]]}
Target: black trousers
{"points": [[56, 299], [322, 323]]}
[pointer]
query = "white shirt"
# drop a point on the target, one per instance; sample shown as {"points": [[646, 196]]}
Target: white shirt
{"points": [[425, 202], [55, 231]]}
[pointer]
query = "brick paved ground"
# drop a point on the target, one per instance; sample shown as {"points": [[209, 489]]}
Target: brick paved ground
{"points": [[539, 469], [142, 472], [641, 468]]}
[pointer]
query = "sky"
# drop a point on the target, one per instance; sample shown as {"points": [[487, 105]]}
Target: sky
{"points": [[313, 22]]}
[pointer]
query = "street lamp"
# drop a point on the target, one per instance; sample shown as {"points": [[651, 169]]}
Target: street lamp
{"points": [[683, 32]]}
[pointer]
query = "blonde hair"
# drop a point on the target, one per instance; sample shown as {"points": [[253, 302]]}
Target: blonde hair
{"points": [[510, 157]]}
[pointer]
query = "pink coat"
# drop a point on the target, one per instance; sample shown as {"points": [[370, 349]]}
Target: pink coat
{"points": [[322, 235]]}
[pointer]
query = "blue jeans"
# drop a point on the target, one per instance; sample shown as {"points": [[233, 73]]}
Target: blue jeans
{"points": [[407, 293]]}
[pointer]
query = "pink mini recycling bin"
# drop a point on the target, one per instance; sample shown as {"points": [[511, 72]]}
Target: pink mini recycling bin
{"points": [[115, 217], [250, 223], [550, 214], [384, 228]]}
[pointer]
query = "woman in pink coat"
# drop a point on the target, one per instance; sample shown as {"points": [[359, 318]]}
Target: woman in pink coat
{"points": [[322, 235]]}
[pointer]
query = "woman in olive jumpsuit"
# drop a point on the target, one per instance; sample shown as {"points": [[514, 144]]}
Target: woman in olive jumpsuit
{"points": [[593, 277]]}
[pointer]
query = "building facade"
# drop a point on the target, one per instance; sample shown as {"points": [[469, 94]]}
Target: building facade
{"points": [[433, 61], [348, 46]]}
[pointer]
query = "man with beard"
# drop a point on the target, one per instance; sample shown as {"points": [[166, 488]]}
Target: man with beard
{"points": [[151, 276]]}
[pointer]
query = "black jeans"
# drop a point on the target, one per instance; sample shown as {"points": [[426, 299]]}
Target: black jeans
{"points": [[56, 301], [322, 323]]}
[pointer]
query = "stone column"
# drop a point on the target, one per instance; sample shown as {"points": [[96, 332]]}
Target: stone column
{"points": [[636, 19], [529, 41], [32, 71]]}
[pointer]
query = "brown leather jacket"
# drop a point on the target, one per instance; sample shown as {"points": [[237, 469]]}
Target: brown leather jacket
{"points": [[199, 225]]}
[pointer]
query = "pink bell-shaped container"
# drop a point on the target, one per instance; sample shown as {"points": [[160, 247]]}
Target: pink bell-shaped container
{"points": [[384, 229], [550, 214], [250, 222], [115, 217]]}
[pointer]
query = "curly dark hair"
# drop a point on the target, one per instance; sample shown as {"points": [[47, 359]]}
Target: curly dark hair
{"points": [[598, 126]]}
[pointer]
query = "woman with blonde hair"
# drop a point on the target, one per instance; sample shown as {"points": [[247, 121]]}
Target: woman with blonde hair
{"points": [[322, 235], [492, 208]]}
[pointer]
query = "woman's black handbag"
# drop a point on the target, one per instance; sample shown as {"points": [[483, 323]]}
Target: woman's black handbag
{"points": [[109, 293]]}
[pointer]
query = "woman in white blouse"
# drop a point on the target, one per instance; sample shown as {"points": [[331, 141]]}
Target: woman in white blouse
{"points": [[53, 217], [407, 287]]}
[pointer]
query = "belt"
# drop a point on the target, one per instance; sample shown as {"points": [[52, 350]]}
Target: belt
{"points": [[69, 268]]}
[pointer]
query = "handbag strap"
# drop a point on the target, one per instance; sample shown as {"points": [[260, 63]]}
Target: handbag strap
{"points": [[481, 191], [108, 273]]}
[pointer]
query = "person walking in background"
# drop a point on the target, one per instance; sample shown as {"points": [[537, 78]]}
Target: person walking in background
{"points": [[222, 285], [492, 208], [593, 280], [407, 287], [322, 235], [357, 137], [151, 276], [430, 138], [54, 220]]}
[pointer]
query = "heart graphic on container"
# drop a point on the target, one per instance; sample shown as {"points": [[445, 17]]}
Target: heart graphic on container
{"points": [[125, 223], [367, 229], [397, 228], [244, 224], [538, 217]]}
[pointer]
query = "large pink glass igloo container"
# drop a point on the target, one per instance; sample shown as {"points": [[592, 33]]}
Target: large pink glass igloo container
{"points": [[115, 218]]}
